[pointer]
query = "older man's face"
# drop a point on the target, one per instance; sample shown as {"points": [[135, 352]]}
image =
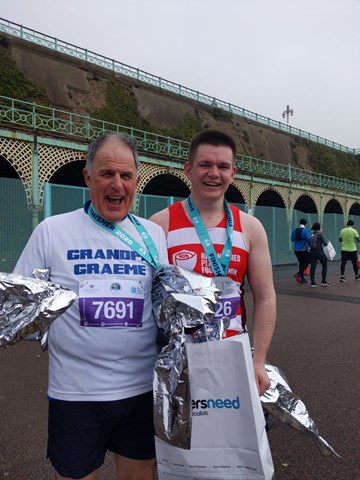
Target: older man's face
{"points": [[113, 180]]}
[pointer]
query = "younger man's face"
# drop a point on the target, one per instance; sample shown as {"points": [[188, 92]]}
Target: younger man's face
{"points": [[211, 171]]}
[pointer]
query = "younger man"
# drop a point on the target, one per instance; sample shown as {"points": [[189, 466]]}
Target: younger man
{"points": [[207, 235]]}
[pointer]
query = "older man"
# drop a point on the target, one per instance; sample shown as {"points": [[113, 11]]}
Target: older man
{"points": [[103, 349]]}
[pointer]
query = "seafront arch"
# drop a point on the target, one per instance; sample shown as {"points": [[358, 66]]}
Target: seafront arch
{"points": [[36, 160], [50, 168]]}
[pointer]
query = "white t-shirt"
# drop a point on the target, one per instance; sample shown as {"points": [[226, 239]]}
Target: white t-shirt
{"points": [[97, 361]]}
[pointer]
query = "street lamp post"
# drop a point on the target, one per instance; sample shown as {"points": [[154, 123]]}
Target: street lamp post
{"points": [[286, 113]]}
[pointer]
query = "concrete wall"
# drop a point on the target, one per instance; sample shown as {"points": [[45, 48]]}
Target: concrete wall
{"points": [[77, 86]]}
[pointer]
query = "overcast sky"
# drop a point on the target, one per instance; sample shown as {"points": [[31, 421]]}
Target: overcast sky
{"points": [[261, 55]]}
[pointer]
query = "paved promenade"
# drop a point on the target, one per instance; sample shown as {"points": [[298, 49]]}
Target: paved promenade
{"points": [[316, 344]]}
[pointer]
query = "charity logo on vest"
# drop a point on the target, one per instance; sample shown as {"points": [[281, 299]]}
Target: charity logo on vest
{"points": [[203, 406]]}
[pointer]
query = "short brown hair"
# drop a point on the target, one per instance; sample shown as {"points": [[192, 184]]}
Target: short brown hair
{"points": [[211, 137]]}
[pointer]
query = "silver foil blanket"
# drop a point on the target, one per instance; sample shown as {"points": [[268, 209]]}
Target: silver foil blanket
{"points": [[288, 408], [29, 305], [184, 305]]}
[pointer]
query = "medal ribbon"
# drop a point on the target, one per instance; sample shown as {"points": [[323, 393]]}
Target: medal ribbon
{"points": [[218, 265], [150, 255]]}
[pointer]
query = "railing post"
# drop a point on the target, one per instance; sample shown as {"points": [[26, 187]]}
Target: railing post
{"points": [[35, 184], [13, 110], [47, 200], [88, 127], [273, 236], [168, 147], [33, 120]]}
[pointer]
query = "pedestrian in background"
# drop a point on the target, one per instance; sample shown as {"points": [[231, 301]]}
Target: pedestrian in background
{"points": [[317, 241], [348, 237], [301, 237]]}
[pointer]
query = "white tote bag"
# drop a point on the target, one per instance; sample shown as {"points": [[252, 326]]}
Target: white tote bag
{"points": [[228, 437], [329, 251]]}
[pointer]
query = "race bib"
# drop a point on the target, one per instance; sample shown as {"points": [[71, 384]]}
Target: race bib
{"points": [[229, 301], [109, 303]]}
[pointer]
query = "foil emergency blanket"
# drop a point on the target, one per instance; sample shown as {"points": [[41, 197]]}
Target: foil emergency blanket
{"points": [[184, 304], [287, 407], [29, 305]]}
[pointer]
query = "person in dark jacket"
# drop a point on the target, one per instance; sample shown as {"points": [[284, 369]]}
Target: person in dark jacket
{"points": [[317, 241], [301, 236]]}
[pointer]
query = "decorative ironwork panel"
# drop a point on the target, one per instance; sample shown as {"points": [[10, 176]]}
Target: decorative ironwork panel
{"points": [[147, 172], [283, 191], [297, 192], [341, 201], [259, 188], [18, 154], [180, 173], [243, 187], [50, 159]]}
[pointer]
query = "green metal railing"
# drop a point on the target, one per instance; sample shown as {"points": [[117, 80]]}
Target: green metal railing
{"points": [[30, 116], [261, 168], [63, 198], [53, 43]]}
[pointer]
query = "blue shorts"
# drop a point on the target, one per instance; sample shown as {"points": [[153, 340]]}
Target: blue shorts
{"points": [[80, 433]]}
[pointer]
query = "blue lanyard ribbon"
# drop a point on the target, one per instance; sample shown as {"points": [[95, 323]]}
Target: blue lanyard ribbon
{"points": [[150, 255], [218, 266]]}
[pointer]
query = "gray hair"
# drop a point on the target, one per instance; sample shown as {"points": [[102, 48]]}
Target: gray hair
{"points": [[99, 141]]}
